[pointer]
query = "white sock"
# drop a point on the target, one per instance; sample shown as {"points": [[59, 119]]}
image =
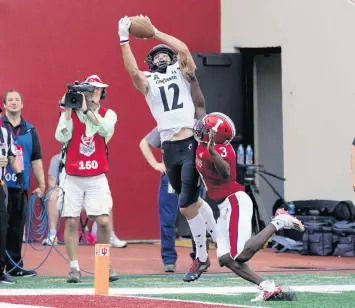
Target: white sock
{"points": [[52, 232], [198, 230], [75, 264], [211, 225], [267, 285], [278, 223]]}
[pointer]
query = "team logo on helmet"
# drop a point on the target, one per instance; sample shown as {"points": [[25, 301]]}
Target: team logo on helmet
{"points": [[221, 123]]}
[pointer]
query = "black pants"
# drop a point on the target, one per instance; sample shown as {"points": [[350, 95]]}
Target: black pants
{"points": [[16, 211], [3, 229], [179, 159]]}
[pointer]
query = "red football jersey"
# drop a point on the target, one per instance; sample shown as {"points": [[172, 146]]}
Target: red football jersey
{"points": [[217, 188]]}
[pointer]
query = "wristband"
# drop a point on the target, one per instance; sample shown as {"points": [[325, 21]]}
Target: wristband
{"points": [[124, 42]]}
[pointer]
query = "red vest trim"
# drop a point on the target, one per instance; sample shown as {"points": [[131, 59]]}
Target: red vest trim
{"points": [[86, 156]]}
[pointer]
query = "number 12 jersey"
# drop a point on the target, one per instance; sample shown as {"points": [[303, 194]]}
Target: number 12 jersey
{"points": [[169, 99]]}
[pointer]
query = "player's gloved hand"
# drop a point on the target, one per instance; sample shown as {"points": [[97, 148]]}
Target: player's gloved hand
{"points": [[155, 29], [20, 181], [123, 29]]}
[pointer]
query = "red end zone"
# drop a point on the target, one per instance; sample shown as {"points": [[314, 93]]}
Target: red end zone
{"points": [[62, 301]]}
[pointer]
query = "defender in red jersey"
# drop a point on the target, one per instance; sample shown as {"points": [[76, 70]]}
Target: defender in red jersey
{"points": [[216, 163]]}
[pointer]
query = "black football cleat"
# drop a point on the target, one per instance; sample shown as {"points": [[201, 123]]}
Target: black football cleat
{"points": [[196, 269]]}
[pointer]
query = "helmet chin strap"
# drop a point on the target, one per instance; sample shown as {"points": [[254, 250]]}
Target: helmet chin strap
{"points": [[162, 66]]}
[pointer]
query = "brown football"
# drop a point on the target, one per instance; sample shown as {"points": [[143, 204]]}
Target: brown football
{"points": [[141, 27]]}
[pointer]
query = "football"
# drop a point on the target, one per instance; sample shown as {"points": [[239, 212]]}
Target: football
{"points": [[141, 27]]}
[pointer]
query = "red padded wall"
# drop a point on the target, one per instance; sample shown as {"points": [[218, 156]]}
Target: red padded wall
{"points": [[44, 45]]}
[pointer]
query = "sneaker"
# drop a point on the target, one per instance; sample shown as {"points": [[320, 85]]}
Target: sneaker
{"points": [[74, 276], [196, 269], [169, 268], [289, 221], [22, 273], [268, 290], [50, 241], [115, 242], [113, 276], [6, 279], [193, 257]]}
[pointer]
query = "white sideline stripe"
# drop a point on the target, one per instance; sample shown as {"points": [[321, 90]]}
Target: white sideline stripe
{"points": [[5, 305], [192, 301], [158, 291]]}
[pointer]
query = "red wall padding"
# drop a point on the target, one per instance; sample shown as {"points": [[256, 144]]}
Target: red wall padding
{"points": [[44, 45]]}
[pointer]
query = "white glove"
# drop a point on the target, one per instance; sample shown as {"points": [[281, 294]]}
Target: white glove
{"points": [[123, 29]]}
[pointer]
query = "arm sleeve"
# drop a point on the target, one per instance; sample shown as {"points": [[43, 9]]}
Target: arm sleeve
{"points": [[107, 123], [36, 146], [62, 125], [153, 138]]}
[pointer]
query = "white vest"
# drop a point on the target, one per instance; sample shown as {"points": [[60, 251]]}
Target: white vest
{"points": [[169, 99]]}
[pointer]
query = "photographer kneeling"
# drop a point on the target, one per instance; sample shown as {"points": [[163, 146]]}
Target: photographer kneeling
{"points": [[84, 129]]}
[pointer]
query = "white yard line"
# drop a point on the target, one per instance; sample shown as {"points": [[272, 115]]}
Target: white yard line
{"points": [[196, 302], [162, 291]]}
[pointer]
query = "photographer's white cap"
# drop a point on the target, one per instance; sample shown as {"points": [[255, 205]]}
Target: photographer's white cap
{"points": [[95, 81]]}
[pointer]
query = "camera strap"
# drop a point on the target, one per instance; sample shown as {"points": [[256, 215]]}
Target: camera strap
{"points": [[14, 135]]}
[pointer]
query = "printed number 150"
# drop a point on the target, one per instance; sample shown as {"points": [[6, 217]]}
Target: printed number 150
{"points": [[88, 165]]}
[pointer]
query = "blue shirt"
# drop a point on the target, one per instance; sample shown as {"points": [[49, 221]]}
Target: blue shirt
{"points": [[28, 149]]}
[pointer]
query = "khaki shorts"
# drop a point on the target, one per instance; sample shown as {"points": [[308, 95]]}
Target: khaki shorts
{"points": [[93, 193]]}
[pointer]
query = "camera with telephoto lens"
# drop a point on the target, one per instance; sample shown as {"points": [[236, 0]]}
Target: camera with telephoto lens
{"points": [[73, 98]]}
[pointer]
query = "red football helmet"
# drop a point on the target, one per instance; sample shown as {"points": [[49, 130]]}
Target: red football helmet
{"points": [[215, 120]]}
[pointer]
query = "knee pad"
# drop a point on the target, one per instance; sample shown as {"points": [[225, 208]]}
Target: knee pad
{"points": [[186, 199]]}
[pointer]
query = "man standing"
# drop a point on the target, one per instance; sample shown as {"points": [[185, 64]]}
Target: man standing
{"points": [[84, 133], [29, 156], [167, 200], [52, 211], [7, 156]]}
